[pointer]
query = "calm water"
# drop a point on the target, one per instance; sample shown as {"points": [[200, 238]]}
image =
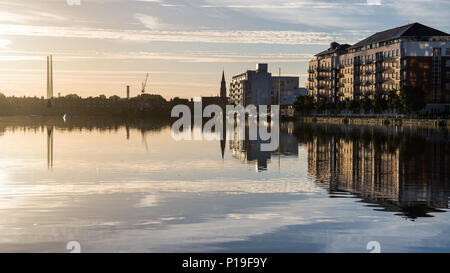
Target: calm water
{"points": [[117, 187]]}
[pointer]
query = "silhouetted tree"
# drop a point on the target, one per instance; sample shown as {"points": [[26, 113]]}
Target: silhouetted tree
{"points": [[394, 101], [379, 103], [412, 99]]}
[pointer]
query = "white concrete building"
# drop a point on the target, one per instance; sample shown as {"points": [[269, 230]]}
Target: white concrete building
{"points": [[251, 87]]}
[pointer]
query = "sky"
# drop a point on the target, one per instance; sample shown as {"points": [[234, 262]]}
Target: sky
{"points": [[101, 46]]}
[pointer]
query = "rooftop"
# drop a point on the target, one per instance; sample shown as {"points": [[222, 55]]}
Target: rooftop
{"points": [[411, 30], [334, 47]]}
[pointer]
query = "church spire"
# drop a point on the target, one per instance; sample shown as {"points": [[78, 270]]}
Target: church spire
{"points": [[223, 87]]}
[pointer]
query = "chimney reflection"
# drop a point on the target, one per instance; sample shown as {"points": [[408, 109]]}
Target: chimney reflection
{"points": [[50, 147]]}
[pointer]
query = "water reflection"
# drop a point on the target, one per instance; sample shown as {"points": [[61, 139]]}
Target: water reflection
{"points": [[395, 169], [326, 189], [50, 147], [249, 151]]}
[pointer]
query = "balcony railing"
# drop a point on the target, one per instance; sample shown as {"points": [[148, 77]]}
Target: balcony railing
{"points": [[324, 69], [323, 78]]}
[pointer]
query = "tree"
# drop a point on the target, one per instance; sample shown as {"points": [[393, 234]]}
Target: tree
{"points": [[393, 100], [379, 103], [340, 105], [304, 104], [365, 103], [412, 98], [114, 98], [321, 103]]}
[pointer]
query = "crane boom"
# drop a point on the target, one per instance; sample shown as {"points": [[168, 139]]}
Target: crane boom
{"points": [[144, 84]]}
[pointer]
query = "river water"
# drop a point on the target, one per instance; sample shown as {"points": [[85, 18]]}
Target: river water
{"points": [[114, 186]]}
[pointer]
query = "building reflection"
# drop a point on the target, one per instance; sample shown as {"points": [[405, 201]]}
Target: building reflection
{"points": [[395, 170], [249, 151]]}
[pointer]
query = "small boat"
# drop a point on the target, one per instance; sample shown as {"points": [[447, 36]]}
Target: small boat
{"points": [[67, 117]]}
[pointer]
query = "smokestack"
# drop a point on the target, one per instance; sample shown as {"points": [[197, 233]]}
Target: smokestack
{"points": [[49, 77], [128, 91]]}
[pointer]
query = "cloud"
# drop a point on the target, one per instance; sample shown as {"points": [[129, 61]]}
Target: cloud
{"points": [[353, 14], [150, 22], [25, 17], [187, 57], [374, 2], [203, 36], [4, 43]]}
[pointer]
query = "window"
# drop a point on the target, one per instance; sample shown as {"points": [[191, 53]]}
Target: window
{"points": [[396, 52], [447, 63], [447, 86], [447, 52]]}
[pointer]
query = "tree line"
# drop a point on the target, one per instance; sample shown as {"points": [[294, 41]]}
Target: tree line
{"points": [[142, 105], [408, 100]]}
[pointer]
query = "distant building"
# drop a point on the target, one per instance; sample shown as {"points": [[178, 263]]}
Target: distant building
{"points": [[413, 54], [258, 87], [289, 90], [251, 87]]}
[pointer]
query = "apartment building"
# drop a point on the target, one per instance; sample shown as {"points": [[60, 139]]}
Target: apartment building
{"points": [[413, 54], [251, 87], [259, 87]]}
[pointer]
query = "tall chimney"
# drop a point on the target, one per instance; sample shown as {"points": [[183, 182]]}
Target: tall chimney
{"points": [[49, 77]]}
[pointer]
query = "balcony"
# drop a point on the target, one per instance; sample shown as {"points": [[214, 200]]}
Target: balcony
{"points": [[366, 83], [389, 69], [323, 78], [389, 80], [324, 69], [390, 59], [311, 70]]}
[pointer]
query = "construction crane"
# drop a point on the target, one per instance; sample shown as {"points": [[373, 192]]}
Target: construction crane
{"points": [[144, 84]]}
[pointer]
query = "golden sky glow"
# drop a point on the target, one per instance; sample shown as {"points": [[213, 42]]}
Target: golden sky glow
{"points": [[100, 46]]}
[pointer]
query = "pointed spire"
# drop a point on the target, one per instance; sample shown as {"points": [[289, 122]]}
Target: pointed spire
{"points": [[223, 87]]}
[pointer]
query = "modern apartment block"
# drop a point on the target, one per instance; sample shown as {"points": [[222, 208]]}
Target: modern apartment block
{"points": [[252, 87], [413, 54], [259, 87]]}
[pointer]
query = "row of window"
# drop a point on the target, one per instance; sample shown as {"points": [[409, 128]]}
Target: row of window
{"points": [[371, 88]]}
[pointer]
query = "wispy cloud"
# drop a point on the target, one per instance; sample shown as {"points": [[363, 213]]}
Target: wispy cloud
{"points": [[187, 57], [4, 43], [27, 16], [150, 22], [205, 36]]}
